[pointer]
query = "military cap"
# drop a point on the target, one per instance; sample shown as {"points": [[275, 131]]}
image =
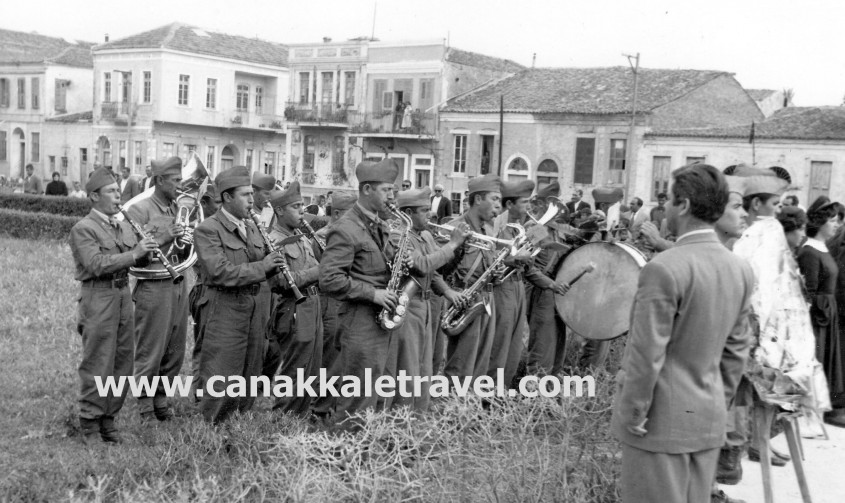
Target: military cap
{"points": [[384, 171], [486, 183], [760, 181], [343, 200], [280, 198], [414, 198], [521, 188], [237, 176], [553, 189], [263, 181], [169, 166], [99, 179]]}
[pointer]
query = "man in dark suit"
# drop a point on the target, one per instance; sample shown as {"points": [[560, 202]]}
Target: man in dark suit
{"points": [[687, 347], [576, 203], [147, 181], [440, 204], [129, 186]]}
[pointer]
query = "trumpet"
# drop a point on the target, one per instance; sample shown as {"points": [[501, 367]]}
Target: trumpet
{"points": [[177, 277], [481, 241]]}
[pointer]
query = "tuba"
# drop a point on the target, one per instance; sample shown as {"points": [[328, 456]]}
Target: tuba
{"points": [[181, 253]]}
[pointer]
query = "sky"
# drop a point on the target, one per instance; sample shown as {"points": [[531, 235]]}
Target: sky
{"points": [[774, 44]]}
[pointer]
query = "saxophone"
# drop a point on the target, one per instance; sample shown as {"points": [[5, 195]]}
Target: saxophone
{"points": [[455, 320], [400, 281]]}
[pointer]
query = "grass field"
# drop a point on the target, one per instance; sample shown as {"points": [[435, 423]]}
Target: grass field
{"points": [[522, 450]]}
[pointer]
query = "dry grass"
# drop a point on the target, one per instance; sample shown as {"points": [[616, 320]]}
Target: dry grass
{"points": [[519, 450]]}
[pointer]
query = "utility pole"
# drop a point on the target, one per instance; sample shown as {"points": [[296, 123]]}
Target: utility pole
{"points": [[501, 130], [634, 62], [373, 33]]}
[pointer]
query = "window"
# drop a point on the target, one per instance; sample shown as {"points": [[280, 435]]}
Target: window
{"points": [[60, 102], [167, 150], [148, 86], [52, 161], [64, 166], [455, 198], [242, 98], [660, 168], [106, 87], [327, 79], [21, 93], [304, 86], [308, 160], [547, 173], [349, 89], [379, 88], [460, 151], [585, 149], [249, 159], [617, 154], [209, 158], [338, 155], [36, 93], [422, 172], [184, 88], [3, 153], [486, 153], [121, 149], [4, 93], [695, 160], [426, 94], [125, 86], [517, 169], [139, 156], [259, 99], [36, 147], [83, 160], [270, 163]]}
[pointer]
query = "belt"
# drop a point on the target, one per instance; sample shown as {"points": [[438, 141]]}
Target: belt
{"points": [[423, 294], [252, 289], [120, 282], [311, 291]]}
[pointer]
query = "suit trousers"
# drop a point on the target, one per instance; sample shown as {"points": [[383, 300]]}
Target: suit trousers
{"points": [[300, 339], [547, 342], [510, 324], [468, 353], [412, 346], [161, 325], [107, 328], [659, 476]]}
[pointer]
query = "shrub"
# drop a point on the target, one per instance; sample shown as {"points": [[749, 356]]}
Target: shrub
{"points": [[28, 225], [67, 206]]}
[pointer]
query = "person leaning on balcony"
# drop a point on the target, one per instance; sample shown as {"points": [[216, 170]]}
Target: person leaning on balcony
{"points": [[104, 249], [32, 183]]}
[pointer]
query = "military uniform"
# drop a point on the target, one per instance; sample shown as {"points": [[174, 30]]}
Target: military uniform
{"points": [[547, 340], [235, 308]]}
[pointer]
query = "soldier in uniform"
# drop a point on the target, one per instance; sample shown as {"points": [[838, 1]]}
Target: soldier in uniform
{"points": [[413, 341], [355, 271], [161, 307], [262, 186], [468, 353], [235, 308], [104, 249], [298, 328]]}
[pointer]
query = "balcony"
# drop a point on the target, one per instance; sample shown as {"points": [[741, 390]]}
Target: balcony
{"points": [[325, 113], [389, 124], [112, 110], [255, 120]]}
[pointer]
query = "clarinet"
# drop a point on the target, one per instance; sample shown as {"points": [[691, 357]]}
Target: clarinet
{"points": [[283, 267], [177, 277], [308, 231]]}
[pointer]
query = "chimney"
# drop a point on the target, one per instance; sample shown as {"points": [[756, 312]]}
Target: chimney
{"points": [[326, 40], [107, 37], [533, 60]]}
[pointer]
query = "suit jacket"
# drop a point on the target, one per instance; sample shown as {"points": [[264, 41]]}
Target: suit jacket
{"points": [[33, 185], [687, 347], [444, 209], [132, 189], [572, 209]]}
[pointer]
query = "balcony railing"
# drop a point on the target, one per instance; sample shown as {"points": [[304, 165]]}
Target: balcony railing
{"points": [[114, 109], [247, 119], [317, 112], [417, 123]]}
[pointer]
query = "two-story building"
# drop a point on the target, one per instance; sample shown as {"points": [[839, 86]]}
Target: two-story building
{"points": [[42, 78], [179, 89], [576, 126]]}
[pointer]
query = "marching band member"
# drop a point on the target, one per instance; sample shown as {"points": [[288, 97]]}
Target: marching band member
{"points": [[355, 270], [104, 249], [236, 306], [161, 306]]}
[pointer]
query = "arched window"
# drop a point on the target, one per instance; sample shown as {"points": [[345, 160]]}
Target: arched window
{"points": [[547, 173], [517, 169]]}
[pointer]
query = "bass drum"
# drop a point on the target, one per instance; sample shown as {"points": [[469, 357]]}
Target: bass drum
{"points": [[598, 306]]}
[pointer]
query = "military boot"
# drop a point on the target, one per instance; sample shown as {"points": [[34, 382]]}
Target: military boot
{"points": [[108, 431], [729, 469], [90, 431]]}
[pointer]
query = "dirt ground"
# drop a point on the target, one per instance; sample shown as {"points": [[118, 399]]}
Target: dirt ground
{"points": [[824, 464]]}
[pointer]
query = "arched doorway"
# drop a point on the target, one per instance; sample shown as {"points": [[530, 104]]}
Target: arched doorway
{"points": [[228, 156], [18, 152], [103, 157]]}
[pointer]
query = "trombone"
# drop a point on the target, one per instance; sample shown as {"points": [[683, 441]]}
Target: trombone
{"points": [[483, 241]]}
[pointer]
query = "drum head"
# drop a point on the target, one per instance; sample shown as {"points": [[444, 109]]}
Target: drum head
{"points": [[598, 306]]}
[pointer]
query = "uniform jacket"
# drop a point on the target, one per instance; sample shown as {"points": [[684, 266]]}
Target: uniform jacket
{"points": [[686, 349], [468, 268], [100, 250], [300, 257], [530, 272], [227, 260], [427, 257]]}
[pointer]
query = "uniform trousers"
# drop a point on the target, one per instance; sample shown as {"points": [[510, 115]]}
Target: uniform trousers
{"points": [[331, 351], [411, 350], [438, 357], [547, 342], [659, 476], [468, 353], [107, 327], [510, 324], [161, 324], [298, 330], [194, 298]]}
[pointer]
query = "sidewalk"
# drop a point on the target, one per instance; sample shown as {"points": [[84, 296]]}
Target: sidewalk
{"points": [[824, 464]]}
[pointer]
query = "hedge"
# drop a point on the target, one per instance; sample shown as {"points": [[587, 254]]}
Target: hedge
{"points": [[28, 225], [56, 205]]}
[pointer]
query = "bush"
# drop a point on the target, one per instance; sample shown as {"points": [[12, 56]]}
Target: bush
{"points": [[28, 225], [67, 206]]}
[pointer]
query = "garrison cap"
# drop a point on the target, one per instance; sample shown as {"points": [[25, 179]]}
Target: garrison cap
{"points": [[553, 189], [486, 183], [280, 198], [414, 198], [231, 178], [760, 181], [99, 179], [169, 166], [343, 200], [263, 181], [384, 171], [521, 188]]}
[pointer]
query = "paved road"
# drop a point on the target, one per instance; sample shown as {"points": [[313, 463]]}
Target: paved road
{"points": [[824, 463]]}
